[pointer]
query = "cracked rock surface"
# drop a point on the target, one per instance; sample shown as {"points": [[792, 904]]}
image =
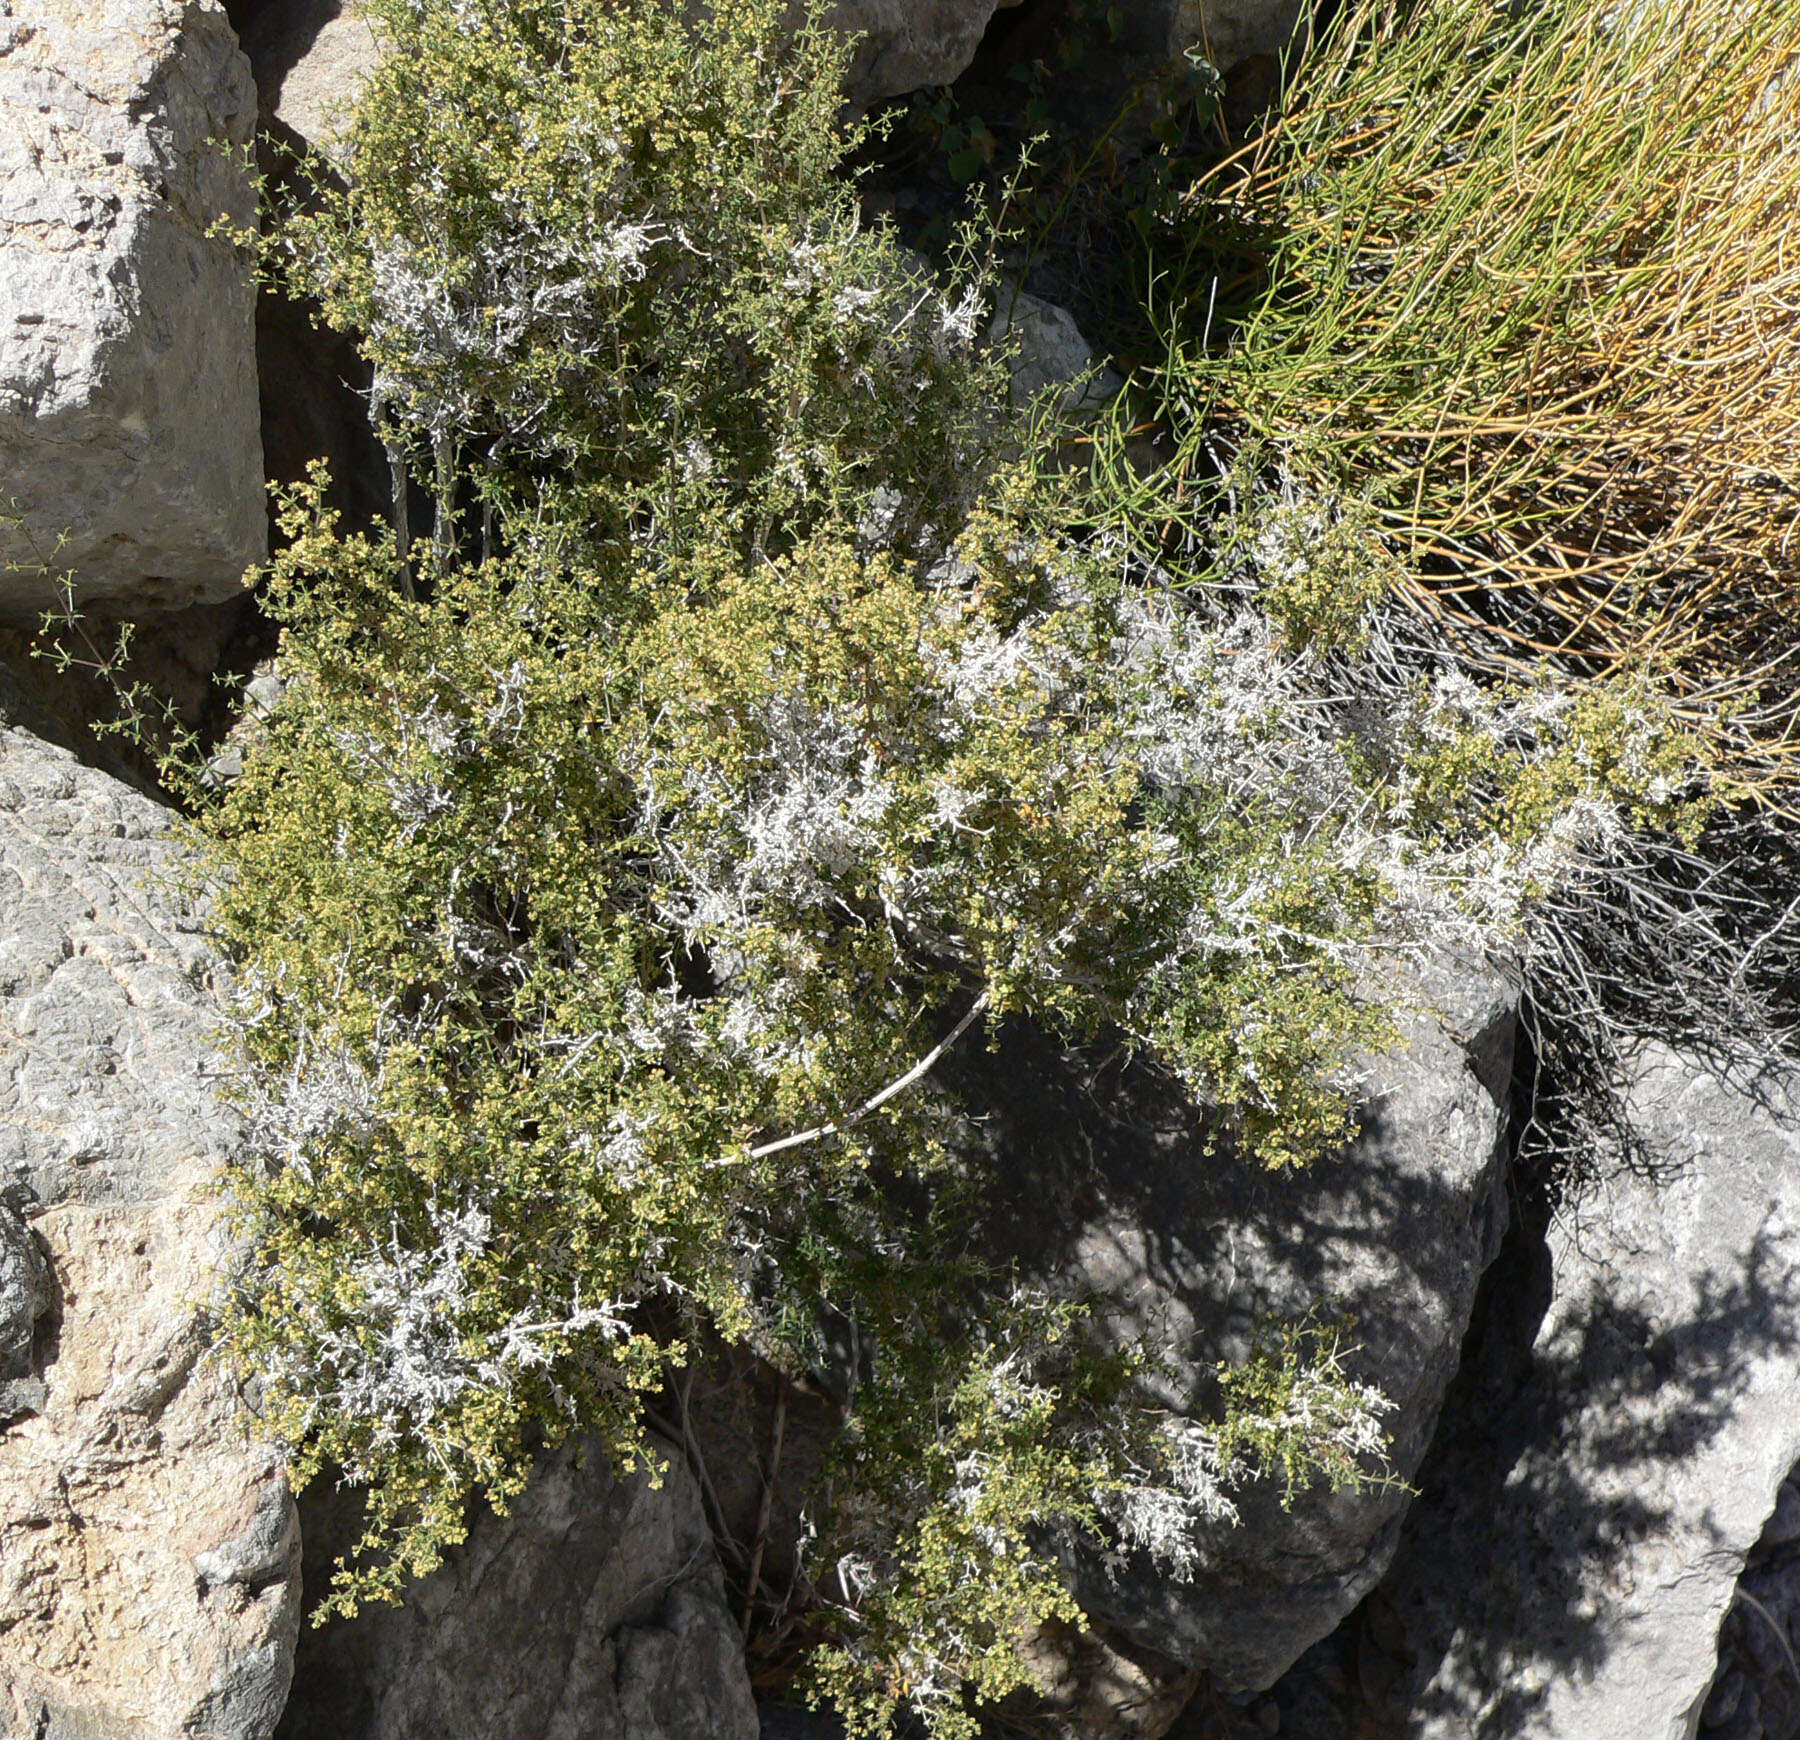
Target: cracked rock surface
{"points": [[129, 441], [1608, 1501], [149, 1553], [1649, 1439]]}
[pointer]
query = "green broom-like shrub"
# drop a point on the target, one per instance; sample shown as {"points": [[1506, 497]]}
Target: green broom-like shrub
{"points": [[1523, 278]]}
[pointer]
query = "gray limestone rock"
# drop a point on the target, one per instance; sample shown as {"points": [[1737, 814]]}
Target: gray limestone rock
{"points": [[148, 1561], [1225, 31], [128, 401], [592, 1610], [1051, 352], [1618, 1442], [908, 44], [24, 1298], [310, 58], [310, 55]]}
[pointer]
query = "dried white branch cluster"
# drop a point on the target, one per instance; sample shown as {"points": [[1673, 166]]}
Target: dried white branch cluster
{"points": [[451, 328], [326, 1096], [1331, 1422], [403, 1357], [1165, 1514]]}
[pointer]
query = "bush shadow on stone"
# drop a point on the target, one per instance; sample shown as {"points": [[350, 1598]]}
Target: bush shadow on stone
{"points": [[1602, 1463], [1104, 1179]]}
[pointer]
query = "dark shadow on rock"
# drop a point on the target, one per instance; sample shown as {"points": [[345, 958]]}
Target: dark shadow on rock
{"points": [[796, 1722], [1567, 1502], [315, 387], [722, 1410], [1105, 1179], [314, 382], [276, 35], [178, 656], [592, 1605], [332, 1696]]}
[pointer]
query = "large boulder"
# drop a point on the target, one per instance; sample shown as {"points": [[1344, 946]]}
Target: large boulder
{"points": [[592, 1610], [1615, 1450], [1227, 32], [908, 44], [148, 1551], [1661, 1424], [128, 405], [312, 55], [1116, 1188]]}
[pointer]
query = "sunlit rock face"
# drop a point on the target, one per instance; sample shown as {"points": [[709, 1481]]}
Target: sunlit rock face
{"points": [[149, 1554], [1606, 1488], [129, 441], [1609, 1506]]}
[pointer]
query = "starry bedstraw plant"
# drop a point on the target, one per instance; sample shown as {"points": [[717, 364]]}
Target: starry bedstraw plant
{"points": [[759, 713]]}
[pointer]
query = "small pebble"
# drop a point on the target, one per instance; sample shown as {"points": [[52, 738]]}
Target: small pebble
{"points": [[263, 694], [225, 767]]}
